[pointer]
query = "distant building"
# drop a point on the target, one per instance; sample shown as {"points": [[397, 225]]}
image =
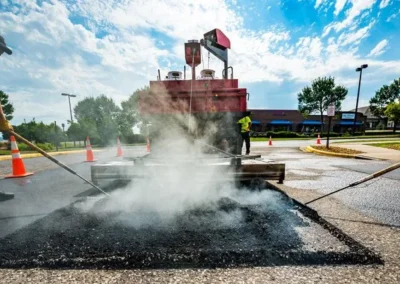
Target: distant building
{"points": [[372, 121], [292, 120]]}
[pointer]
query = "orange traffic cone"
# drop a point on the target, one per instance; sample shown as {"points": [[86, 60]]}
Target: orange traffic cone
{"points": [[148, 146], [17, 162], [119, 149], [89, 152], [270, 141], [319, 140]]}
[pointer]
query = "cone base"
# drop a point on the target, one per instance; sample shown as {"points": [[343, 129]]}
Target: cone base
{"points": [[90, 161], [18, 176]]}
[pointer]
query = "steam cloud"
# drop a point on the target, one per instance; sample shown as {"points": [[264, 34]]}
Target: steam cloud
{"points": [[188, 182]]}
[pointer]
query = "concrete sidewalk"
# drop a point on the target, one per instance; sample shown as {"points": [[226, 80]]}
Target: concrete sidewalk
{"points": [[373, 152]]}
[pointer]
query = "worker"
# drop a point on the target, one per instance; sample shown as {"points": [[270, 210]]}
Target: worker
{"points": [[245, 131]]}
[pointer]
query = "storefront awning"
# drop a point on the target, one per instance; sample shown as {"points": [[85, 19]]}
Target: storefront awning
{"points": [[280, 122], [311, 122], [255, 122], [348, 123]]}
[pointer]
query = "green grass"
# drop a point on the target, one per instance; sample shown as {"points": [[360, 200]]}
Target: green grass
{"points": [[392, 145], [367, 140], [280, 139], [8, 152], [365, 137]]}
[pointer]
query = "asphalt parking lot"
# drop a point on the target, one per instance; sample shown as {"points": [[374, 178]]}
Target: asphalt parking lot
{"points": [[45, 209]]}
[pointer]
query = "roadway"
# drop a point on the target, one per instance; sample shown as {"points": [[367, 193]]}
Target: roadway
{"points": [[378, 198], [51, 187]]}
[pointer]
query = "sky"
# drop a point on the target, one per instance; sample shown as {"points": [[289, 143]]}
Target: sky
{"points": [[113, 47]]}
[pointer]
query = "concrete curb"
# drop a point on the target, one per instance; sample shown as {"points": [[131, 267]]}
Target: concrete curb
{"points": [[36, 155], [310, 149]]}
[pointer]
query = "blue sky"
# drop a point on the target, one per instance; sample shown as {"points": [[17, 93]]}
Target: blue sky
{"points": [[113, 47]]}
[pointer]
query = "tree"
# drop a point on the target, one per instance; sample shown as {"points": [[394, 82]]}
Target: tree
{"points": [[320, 95], [383, 97], [393, 113], [129, 116], [40, 132], [98, 116], [8, 108], [78, 131]]}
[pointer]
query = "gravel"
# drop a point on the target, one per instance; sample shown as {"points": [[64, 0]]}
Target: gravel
{"points": [[226, 234]]}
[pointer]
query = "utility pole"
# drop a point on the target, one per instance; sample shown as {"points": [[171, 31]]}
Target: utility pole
{"points": [[359, 69], [69, 100], [70, 109], [331, 113], [55, 136], [65, 142]]}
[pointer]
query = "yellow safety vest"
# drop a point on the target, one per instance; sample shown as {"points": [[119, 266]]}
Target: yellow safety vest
{"points": [[245, 122]]}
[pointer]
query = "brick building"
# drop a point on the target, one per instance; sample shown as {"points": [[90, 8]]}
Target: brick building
{"points": [[292, 120]]}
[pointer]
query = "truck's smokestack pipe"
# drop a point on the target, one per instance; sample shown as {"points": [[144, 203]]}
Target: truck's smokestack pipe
{"points": [[193, 66], [184, 72], [159, 75], [230, 67]]}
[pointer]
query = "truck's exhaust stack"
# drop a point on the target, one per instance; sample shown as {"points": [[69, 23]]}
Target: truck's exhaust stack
{"points": [[193, 55]]}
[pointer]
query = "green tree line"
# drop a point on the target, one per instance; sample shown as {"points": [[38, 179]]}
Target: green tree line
{"points": [[323, 91], [98, 117]]}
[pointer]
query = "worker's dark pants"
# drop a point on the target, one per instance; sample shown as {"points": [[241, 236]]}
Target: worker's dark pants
{"points": [[246, 138]]}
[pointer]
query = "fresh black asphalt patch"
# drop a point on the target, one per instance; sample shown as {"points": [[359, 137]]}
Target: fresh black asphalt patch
{"points": [[225, 234]]}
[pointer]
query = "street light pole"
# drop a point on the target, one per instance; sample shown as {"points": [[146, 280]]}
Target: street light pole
{"points": [[359, 69], [69, 101]]}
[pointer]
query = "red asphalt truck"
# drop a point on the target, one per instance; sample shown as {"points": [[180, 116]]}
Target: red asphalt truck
{"points": [[207, 99]]}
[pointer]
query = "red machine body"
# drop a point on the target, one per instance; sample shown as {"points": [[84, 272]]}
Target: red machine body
{"points": [[218, 95], [207, 98], [206, 94]]}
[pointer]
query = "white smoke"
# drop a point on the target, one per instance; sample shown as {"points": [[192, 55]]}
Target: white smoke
{"points": [[179, 179]]}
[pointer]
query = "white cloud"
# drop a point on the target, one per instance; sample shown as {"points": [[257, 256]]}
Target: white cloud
{"points": [[384, 3], [350, 102], [379, 48], [318, 3], [358, 7], [393, 16], [59, 56], [354, 38], [339, 6]]}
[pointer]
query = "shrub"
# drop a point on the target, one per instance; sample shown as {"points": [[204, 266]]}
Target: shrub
{"points": [[389, 132], [324, 134], [45, 146], [133, 138], [23, 147], [279, 134], [346, 134], [4, 145]]}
